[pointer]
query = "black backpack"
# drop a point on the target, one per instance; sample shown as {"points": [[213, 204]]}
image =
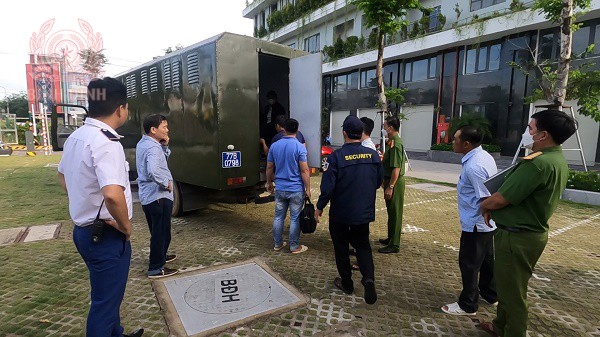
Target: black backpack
{"points": [[308, 224]]}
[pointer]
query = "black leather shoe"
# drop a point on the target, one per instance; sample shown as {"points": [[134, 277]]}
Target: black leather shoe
{"points": [[338, 284], [384, 241], [138, 333], [388, 250], [370, 294]]}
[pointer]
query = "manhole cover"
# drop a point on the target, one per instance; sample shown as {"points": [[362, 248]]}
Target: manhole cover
{"points": [[214, 299]]}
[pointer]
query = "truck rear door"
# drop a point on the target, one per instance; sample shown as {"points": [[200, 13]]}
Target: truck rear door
{"points": [[305, 102]]}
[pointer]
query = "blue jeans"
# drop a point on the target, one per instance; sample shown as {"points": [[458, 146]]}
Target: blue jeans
{"points": [[283, 200]]}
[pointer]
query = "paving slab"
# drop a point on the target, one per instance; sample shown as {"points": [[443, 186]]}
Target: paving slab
{"points": [[44, 232], [218, 298], [8, 236], [432, 187]]}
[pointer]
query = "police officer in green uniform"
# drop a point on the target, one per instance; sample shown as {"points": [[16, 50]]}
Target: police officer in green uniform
{"points": [[393, 184], [521, 209]]}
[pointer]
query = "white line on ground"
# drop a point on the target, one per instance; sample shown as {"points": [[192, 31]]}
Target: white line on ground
{"points": [[575, 225]]}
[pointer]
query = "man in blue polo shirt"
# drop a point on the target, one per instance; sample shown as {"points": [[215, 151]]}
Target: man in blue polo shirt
{"points": [[476, 254], [288, 168]]}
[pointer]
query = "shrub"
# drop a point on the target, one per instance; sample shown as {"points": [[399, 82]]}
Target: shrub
{"points": [[441, 20], [491, 148], [585, 181], [474, 120], [350, 45], [441, 147]]}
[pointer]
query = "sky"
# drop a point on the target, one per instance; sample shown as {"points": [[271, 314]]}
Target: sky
{"points": [[132, 32]]}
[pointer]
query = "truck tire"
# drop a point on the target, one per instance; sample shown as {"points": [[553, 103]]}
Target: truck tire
{"points": [[177, 200]]}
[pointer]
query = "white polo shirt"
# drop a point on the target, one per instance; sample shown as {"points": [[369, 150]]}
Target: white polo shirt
{"points": [[90, 161]]}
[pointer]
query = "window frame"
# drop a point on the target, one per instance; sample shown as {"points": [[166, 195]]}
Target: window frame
{"points": [[429, 76], [317, 38], [476, 67], [480, 2]]}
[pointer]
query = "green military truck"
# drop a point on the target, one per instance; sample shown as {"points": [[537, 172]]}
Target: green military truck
{"points": [[212, 94]]}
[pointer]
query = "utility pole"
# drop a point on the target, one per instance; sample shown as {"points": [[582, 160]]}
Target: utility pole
{"points": [[7, 100]]}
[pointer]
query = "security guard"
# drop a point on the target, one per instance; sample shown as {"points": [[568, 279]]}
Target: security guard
{"points": [[94, 173], [521, 209], [393, 184], [350, 181]]}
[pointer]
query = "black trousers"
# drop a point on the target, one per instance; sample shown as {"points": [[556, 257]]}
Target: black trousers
{"points": [[358, 237], [476, 262], [158, 215]]}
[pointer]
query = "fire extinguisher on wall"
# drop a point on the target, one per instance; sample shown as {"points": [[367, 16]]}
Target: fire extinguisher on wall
{"points": [[443, 129]]}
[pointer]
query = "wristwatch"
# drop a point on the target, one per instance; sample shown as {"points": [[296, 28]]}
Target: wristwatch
{"points": [[391, 186]]}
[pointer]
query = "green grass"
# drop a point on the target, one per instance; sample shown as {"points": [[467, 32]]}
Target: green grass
{"points": [[29, 192]]}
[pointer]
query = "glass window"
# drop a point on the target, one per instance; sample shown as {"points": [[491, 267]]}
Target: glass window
{"points": [[368, 78], [433, 18], [390, 75], [432, 67], [312, 44], [495, 57], [292, 45], [482, 59], [449, 63], [470, 64], [353, 80], [581, 40], [479, 4], [488, 58], [420, 70], [546, 44], [407, 72], [340, 82], [597, 40]]}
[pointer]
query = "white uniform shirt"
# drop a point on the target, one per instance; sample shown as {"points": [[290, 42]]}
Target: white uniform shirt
{"points": [[369, 143], [91, 161]]}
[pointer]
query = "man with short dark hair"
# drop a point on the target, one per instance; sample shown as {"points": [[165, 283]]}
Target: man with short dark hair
{"points": [[350, 181], [369, 125], [288, 168], [94, 172], [268, 115], [521, 209], [476, 253], [393, 184], [156, 191], [280, 128]]}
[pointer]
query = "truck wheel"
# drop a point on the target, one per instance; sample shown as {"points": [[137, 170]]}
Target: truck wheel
{"points": [[177, 201]]}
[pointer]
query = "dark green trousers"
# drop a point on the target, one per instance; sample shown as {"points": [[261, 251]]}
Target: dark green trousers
{"points": [[395, 207], [516, 256]]}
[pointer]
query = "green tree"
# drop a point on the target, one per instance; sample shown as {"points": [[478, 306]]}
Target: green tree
{"points": [[93, 61], [562, 12], [18, 104], [388, 17]]}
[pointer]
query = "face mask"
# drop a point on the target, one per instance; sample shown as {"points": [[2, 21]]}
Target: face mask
{"points": [[384, 133], [527, 140]]}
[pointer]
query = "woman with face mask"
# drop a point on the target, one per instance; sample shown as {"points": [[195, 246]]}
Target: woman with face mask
{"points": [[393, 184]]}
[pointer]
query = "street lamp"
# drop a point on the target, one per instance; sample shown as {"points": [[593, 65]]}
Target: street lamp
{"points": [[7, 100]]}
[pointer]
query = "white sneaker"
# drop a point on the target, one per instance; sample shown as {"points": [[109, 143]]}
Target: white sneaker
{"points": [[454, 309]]}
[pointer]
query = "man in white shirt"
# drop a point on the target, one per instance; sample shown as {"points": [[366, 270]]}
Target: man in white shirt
{"points": [[94, 172], [366, 137]]}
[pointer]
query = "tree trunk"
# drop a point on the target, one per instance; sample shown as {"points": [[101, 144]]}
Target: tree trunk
{"points": [[379, 72], [566, 44]]}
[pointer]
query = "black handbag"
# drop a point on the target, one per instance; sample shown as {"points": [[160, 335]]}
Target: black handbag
{"points": [[308, 224]]}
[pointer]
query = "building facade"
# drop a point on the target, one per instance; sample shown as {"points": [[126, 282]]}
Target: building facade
{"points": [[455, 60]]}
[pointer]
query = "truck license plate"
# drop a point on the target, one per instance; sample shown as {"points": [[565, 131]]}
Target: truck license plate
{"points": [[231, 159]]}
